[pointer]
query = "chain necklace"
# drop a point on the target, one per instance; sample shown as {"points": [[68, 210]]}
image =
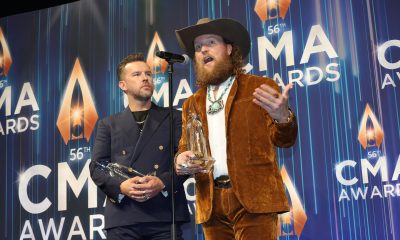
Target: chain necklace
{"points": [[217, 105], [140, 118], [141, 122]]}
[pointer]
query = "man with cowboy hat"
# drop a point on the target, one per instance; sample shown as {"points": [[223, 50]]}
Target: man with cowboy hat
{"points": [[244, 118]]}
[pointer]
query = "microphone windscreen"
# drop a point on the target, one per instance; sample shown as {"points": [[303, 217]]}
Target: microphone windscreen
{"points": [[158, 54], [187, 59]]}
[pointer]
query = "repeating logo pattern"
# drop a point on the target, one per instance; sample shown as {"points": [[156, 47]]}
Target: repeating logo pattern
{"points": [[370, 130], [5, 56], [76, 121], [271, 9], [292, 222], [157, 64]]}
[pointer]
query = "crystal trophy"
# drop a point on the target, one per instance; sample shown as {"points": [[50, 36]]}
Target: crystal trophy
{"points": [[197, 143], [121, 171]]}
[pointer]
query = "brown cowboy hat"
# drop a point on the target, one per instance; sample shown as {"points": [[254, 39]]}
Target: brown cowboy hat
{"points": [[229, 29]]}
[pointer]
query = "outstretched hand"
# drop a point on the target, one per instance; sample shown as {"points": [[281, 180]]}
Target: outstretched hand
{"points": [[274, 102]]}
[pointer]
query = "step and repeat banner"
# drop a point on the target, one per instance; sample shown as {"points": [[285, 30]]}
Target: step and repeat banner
{"points": [[58, 78]]}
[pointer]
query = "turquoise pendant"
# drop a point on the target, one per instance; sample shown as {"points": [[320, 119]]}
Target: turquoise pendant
{"points": [[215, 107]]}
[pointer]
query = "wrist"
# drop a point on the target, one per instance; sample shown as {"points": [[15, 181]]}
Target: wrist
{"points": [[285, 119], [121, 188]]}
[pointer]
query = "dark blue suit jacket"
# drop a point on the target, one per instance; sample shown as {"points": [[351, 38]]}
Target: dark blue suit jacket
{"points": [[118, 140]]}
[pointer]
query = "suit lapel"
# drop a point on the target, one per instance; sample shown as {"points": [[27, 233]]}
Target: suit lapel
{"points": [[153, 121], [200, 108], [129, 127], [229, 101]]}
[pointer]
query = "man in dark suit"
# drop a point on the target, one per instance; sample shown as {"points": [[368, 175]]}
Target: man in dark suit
{"points": [[138, 137]]}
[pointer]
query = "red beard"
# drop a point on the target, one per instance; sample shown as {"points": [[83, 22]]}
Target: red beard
{"points": [[222, 70]]}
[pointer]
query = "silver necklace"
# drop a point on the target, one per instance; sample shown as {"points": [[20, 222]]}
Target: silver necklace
{"points": [[140, 124], [141, 121], [218, 104]]}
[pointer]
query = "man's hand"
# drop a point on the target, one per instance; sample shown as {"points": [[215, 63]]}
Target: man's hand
{"points": [[275, 103], [142, 189], [183, 166]]}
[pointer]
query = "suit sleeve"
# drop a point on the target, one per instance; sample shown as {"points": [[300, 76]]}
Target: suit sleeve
{"points": [[283, 134], [182, 146], [102, 153]]}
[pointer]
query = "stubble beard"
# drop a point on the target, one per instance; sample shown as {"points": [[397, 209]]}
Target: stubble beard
{"points": [[222, 70], [143, 96]]}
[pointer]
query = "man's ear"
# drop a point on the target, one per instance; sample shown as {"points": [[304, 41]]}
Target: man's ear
{"points": [[122, 85], [229, 48]]}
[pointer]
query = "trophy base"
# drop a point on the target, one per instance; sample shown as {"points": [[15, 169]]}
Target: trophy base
{"points": [[206, 163]]}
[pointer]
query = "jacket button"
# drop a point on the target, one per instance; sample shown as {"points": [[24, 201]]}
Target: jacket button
{"points": [[161, 147], [123, 152], [156, 166]]}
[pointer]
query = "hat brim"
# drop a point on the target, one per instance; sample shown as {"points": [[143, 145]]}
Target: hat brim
{"points": [[229, 29]]}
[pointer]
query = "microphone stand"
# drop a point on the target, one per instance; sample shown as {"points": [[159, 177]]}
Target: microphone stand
{"points": [[172, 147]]}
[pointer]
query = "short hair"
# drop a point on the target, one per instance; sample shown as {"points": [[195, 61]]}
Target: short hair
{"points": [[134, 57]]}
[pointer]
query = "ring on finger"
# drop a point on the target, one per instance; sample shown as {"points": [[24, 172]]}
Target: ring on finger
{"points": [[184, 165]]}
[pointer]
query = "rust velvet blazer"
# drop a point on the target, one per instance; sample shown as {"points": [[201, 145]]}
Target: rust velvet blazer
{"points": [[252, 137]]}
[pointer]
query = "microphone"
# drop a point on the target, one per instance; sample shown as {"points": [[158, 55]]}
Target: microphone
{"points": [[173, 57]]}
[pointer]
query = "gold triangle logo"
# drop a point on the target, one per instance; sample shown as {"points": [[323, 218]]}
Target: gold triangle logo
{"points": [[68, 115], [157, 65], [367, 133], [292, 222], [271, 9], [5, 56]]}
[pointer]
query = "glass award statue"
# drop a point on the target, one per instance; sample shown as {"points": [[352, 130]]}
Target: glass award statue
{"points": [[197, 143], [120, 171]]}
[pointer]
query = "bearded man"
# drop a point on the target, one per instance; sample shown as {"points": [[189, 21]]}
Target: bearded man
{"points": [[244, 118]]}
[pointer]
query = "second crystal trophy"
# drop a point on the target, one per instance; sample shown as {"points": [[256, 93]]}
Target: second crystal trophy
{"points": [[120, 171], [197, 143], [123, 172]]}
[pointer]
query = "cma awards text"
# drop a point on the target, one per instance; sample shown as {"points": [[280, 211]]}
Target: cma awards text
{"points": [[71, 190], [383, 186], [26, 105]]}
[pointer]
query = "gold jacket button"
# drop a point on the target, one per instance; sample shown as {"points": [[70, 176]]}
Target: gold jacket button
{"points": [[161, 147]]}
